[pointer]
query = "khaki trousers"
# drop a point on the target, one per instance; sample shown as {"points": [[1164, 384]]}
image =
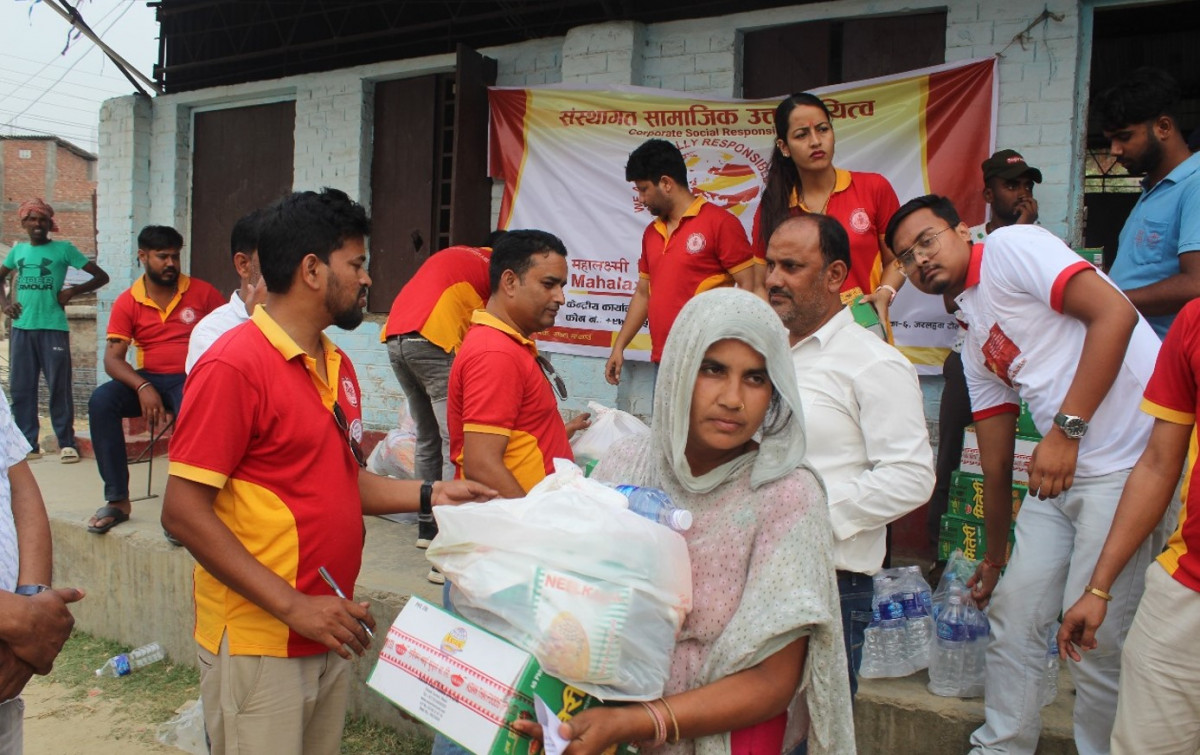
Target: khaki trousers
{"points": [[256, 704], [1158, 704]]}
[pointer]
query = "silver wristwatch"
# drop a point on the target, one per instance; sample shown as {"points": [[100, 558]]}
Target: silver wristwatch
{"points": [[1073, 427]]}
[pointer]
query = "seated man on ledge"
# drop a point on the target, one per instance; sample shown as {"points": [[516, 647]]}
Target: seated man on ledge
{"points": [[156, 314]]}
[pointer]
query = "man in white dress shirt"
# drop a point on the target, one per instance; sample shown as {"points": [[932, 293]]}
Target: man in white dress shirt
{"points": [[244, 243], [862, 404]]}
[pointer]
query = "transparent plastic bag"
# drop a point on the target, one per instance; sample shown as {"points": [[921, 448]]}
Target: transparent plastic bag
{"points": [[607, 427], [395, 455], [898, 639], [186, 730], [958, 659], [594, 591]]}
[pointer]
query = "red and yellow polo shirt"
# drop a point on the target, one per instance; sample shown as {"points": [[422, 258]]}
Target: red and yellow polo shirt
{"points": [[863, 203], [439, 299], [161, 336], [1173, 395], [704, 251], [257, 423], [497, 387]]}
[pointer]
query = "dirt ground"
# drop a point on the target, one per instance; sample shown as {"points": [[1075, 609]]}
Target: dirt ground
{"points": [[57, 721]]}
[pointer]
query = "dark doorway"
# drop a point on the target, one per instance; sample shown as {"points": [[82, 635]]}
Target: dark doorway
{"points": [[798, 57], [243, 158], [429, 184], [1124, 39]]}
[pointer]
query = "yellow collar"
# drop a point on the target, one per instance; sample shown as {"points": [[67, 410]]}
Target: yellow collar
{"points": [[483, 317], [839, 185], [139, 294], [287, 346]]}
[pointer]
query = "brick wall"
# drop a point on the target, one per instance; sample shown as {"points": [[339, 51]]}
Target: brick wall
{"points": [[144, 150], [63, 178]]}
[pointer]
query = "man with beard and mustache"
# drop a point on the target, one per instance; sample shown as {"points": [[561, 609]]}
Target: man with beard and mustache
{"points": [[505, 427], [1155, 264], [1049, 328], [267, 485], [689, 248], [874, 453], [156, 314]]}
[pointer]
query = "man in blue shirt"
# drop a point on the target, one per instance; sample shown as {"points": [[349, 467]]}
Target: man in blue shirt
{"points": [[1155, 266]]}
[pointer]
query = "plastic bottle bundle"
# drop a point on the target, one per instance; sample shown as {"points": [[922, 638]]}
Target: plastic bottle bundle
{"points": [[897, 641], [1050, 683], [656, 505], [957, 662]]}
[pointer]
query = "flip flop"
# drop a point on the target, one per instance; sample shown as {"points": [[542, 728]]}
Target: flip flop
{"points": [[115, 516]]}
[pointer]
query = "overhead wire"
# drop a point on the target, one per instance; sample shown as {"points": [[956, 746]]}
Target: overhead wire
{"points": [[52, 60], [68, 70]]}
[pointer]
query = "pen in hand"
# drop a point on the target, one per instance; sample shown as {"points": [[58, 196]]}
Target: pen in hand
{"points": [[338, 591]]}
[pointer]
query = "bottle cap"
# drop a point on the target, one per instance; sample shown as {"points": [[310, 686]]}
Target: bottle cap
{"points": [[681, 520]]}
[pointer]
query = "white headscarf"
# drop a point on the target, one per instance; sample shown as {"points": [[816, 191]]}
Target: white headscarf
{"points": [[726, 313], [764, 514]]}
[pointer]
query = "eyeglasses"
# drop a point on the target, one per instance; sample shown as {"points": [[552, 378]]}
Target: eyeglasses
{"points": [[927, 247], [556, 382], [340, 418]]}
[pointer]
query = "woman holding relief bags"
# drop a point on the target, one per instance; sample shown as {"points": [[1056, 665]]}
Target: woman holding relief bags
{"points": [[758, 665]]}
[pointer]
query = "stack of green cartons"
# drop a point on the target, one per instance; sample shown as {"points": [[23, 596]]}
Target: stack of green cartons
{"points": [[962, 525]]}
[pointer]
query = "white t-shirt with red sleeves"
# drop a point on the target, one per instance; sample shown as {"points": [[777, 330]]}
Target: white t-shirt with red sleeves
{"points": [[1021, 346]]}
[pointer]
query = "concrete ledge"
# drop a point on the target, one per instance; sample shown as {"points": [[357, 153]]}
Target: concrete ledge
{"points": [[139, 590]]}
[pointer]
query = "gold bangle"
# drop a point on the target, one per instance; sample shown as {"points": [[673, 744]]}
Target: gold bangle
{"points": [[1106, 597], [674, 721]]}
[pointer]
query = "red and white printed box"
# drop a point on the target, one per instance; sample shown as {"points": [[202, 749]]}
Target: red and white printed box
{"points": [[1022, 455]]}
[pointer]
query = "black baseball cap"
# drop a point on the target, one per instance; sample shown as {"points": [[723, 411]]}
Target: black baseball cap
{"points": [[1008, 164]]}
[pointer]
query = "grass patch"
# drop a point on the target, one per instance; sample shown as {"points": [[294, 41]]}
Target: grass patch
{"points": [[150, 696]]}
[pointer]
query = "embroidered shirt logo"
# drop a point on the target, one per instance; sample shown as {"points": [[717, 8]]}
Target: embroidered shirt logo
{"points": [[187, 315], [348, 389], [696, 243], [860, 221], [356, 430]]}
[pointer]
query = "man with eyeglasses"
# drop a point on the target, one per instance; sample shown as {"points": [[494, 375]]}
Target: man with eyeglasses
{"points": [[267, 486], [505, 427], [1008, 190], [1049, 328]]}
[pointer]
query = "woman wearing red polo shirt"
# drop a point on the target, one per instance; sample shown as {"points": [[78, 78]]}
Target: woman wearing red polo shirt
{"points": [[801, 178]]}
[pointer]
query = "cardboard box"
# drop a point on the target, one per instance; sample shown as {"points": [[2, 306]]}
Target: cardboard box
{"points": [[467, 683], [970, 535], [1025, 426], [1094, 255], [1021, 457], [966, 496]]}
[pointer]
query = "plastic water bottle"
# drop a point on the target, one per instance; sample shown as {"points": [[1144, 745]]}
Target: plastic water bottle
{"points": [[919, 629], [872, 665], [893, 641], [975, 656], [656, 506], [949, 648], [1050, 684], [126, 663]]}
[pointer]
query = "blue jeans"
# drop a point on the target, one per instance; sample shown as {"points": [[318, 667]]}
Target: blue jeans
{"points": [[856, 591], [47, 352], [109, 404], [423, 370]]}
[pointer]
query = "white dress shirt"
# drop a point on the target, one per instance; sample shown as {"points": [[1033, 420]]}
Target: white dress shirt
{"points": [[214, 325], [865, 418]]}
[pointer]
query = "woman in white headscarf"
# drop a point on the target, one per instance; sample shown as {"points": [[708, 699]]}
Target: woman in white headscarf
{"points": [[758, 665]]}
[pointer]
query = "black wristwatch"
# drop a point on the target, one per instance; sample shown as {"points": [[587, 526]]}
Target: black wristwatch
{"points": [[31, 589], [427, 497], [1073, 427]]}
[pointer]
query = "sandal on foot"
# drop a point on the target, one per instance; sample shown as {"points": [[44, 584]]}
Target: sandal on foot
{"points": [[68, 456], [113, 514]]}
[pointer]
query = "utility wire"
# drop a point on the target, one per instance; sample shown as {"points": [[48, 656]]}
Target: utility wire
{"points": [[51, 61], [64, 74]]}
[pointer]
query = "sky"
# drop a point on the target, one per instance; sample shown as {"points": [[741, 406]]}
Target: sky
{"points": [[45, 91]]}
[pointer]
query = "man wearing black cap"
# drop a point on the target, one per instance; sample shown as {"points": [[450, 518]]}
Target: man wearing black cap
{"points": [[1008, 189]]}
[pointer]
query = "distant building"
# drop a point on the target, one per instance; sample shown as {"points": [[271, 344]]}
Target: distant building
{"points": [[60, 173]]}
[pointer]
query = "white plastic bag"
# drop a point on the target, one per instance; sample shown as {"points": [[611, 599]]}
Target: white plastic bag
{"points": [[186, 730], [607, 427], [395, 455], [568, 573]]}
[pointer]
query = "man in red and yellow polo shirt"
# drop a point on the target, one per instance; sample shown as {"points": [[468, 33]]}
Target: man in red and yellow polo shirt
{"points": [[266, 487], [156, 314], [505, 429], [690, 247], [1159, 690], [426, 325]]}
